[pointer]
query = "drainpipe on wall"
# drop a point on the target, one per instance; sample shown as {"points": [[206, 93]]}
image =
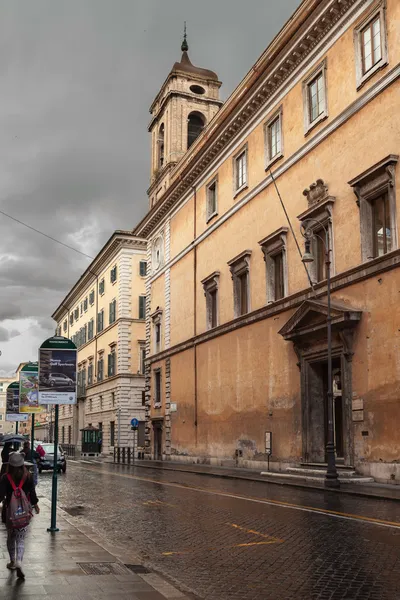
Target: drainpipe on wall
{"points": [[195, 305]]}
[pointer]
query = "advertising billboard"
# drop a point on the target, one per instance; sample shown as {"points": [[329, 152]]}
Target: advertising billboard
{"points": [[12, 404], [29, 392], [57, 376]]}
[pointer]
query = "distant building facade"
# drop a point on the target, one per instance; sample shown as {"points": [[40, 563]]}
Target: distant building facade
{"points": [[104, 315], [5, 426], [236, 338]]}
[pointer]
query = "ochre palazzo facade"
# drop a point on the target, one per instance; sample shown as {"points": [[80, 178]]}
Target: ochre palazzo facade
{"points": [[236, 337]]}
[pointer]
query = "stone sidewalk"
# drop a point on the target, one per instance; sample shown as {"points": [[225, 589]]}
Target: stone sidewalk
{"points": [[75, 564], [369, 490]]}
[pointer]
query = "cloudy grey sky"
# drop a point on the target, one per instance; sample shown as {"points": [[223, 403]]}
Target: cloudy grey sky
{"points": [[76, 79]]}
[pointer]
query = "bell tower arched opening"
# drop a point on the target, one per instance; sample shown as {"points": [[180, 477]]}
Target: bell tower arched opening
{"points": [[196, 124]]}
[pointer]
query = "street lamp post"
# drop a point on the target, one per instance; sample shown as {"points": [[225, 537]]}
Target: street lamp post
{"points": [[331, 477]]}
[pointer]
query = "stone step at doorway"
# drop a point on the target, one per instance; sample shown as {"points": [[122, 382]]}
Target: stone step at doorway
{"points": [[316, 472]]}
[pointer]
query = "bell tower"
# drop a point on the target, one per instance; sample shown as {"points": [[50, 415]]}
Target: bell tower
{"points": [[186, 103]]}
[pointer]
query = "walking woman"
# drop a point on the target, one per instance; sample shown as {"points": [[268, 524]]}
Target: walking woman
{"points": [[17, 486], [8, 448]]}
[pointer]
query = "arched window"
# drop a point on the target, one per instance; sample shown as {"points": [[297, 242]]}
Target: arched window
{"points": [[196, 124], [161, 135]]}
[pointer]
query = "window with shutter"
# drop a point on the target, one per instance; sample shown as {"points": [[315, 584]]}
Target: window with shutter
{"points": [[102, 286], [142, 307], [90, 374], [113, 311], [65, 325], [85, 304], [100, 370], [113, 274], [71, 319], [143, 268], [91, 298]]}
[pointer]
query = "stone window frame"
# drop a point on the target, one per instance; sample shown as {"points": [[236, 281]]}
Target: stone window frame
{"points": [[156, 319], [238, 266], [270, 160], [243, 150], [321, 68], [273, 244], [210, 214], [322, 213], [374, 182], [379, 8], [157, 402], [211, 284]]}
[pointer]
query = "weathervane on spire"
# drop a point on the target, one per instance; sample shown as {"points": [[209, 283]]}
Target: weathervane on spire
{"points": [[185, 45]]}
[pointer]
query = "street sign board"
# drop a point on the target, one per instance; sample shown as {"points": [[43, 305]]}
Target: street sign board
{"points": [[12, 404], [268, 443], [57, 371], [29, 389], [135, 423]]}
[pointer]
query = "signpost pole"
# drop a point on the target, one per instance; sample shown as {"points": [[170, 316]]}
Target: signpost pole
{"points": [[53, 527], [33, 430], [16, 427]]}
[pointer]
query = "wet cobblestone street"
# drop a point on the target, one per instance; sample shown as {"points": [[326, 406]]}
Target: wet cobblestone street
{"points": [[226, 539]]}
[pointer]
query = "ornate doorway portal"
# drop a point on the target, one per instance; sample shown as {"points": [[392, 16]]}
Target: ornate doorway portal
{"points": [[307, 330]]}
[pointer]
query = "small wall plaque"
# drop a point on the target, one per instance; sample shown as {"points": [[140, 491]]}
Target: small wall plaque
{"points": [[173, 407], [358, 404], [358, 415]]}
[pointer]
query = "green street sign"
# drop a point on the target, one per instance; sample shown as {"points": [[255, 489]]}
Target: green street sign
{"points": [[58, 342]]}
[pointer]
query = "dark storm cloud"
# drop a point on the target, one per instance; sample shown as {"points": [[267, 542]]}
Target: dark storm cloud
{"points": [[77, 79]]}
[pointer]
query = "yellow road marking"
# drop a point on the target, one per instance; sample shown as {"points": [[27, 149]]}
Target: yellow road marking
{"points": [[267, 501], [272, 539]]}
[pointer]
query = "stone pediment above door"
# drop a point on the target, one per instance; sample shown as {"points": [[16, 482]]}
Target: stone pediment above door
{"points": [[309, 320]]}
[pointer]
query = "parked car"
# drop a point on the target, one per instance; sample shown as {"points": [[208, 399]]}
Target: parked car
{"points": [[46, 463], [59, 379]]}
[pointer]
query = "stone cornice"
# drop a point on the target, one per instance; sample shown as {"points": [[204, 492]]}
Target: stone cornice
{"points": [[294, 46], [118, 240], [357, 274]]}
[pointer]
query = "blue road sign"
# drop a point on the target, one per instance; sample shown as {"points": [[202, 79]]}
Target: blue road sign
{"points": [[135, 423]]}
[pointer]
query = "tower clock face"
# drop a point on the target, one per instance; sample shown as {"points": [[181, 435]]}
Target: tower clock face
{"points": [[157, 253]]}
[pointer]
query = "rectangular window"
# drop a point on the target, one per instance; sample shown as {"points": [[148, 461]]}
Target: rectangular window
{"points": [[111, 364], [157, 387], [319, 254], [91, 298], [85, 304], [112, 433], [212, 205], [157, 336], [142, 307], [69, 434], [63, 434], [143, 268], [316, 97], [243, 291], [274, 138], [76, 313], [371, 45], [71, 319], [100, 321], [65, 325], [91, 329], [113, 311], [240, 271], [102, 287], [1, 417], [241, 170], [214, 308], [142, 359], [381, 230], [90, 374], [100, 369], [113, 274], [113, 399], [81, 308], [278, 276]]}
